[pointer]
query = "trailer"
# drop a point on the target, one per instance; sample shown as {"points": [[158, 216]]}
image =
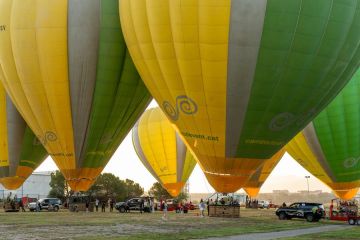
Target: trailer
{"points": [[344, 211]]}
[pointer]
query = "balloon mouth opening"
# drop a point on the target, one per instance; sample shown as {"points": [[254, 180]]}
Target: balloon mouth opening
{"points": [[80, 184], [227, 183], [252, 191], [346, 194], [174, 189], [12, 183]]}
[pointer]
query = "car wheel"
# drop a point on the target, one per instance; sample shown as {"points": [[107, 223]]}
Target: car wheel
{"points": [[358, 222], [56, 208], [352, 221], [282, 216], [122, 209], [309, 218], [31, 210]]}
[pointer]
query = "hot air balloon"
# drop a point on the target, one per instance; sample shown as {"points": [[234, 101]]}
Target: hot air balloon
{"points": [[67, 68], [21, 153], [162, 151], [240, 79], [252, 187], [329, 147]]}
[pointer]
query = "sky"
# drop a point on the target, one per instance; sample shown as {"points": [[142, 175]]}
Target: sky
{"points": [[287, 175]]}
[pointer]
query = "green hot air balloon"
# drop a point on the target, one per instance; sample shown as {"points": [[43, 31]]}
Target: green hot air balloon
{"points": [[240, 79], [20, 151], [67, 69], [329, 147]]}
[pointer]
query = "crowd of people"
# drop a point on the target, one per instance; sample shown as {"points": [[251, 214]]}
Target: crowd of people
{"points": [[147, 204], [110, 203], [348, 207], [230, 201]]}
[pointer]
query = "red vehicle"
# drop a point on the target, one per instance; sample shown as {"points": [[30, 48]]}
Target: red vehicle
{"points": [[190, 206], [171, 205], [344, 211], [175, 206]]}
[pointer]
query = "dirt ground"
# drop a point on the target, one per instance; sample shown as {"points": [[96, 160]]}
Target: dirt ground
{"points": [[115, 225]]}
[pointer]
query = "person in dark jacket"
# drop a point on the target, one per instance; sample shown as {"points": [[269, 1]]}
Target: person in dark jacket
{"points": [[111, 205], [103, 204], [141, 205]]}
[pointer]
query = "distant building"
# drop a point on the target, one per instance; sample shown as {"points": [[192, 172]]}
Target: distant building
{"points": [[36, 186], [310, 192], [281, 191]]}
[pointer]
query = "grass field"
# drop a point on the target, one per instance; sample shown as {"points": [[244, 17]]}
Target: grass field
{"points": [[351, 234], [66, 225]]}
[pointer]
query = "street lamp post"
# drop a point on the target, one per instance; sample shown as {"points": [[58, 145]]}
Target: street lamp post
{"points": [[307, 181]]}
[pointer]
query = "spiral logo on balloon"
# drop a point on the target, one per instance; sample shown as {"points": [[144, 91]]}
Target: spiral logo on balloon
{"points": [[351, 162], [285, 119], [184, 104], [170, 111], [281, 121], [48, 137]]}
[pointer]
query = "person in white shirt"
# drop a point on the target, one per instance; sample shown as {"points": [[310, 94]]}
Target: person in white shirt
{"points": [[97, 204]]}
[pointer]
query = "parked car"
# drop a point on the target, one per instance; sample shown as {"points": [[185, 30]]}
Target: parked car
{"points": [[263, 204], [172, 205], [131, 204], [50, 204], [312, 212], [190, 206]]}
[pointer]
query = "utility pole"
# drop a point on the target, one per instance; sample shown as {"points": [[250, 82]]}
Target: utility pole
{"points": [[307, 181]]}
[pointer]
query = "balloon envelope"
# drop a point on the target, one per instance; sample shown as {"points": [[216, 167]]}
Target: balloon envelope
{"points": [[20, 152], [239, 79], [67, 69], [329, 146], [162, 151], [252, 187]]}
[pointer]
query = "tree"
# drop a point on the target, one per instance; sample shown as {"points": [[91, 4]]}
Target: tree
{"points": [[59, 187], [159, 193], [106, 185], [133, 189]]}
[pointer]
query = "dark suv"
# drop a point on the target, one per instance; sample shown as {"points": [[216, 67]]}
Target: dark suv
{"points": [[312, 212], [131, 204]]}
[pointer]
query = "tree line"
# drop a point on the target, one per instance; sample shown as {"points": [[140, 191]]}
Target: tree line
{"points": [[107, 185]]}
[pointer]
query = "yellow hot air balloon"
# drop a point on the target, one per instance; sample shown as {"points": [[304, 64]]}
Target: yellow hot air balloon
{"points": [[162, 151], [329, 146], [252, 187], [20, 151], [239, 79], [67, 68]]}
